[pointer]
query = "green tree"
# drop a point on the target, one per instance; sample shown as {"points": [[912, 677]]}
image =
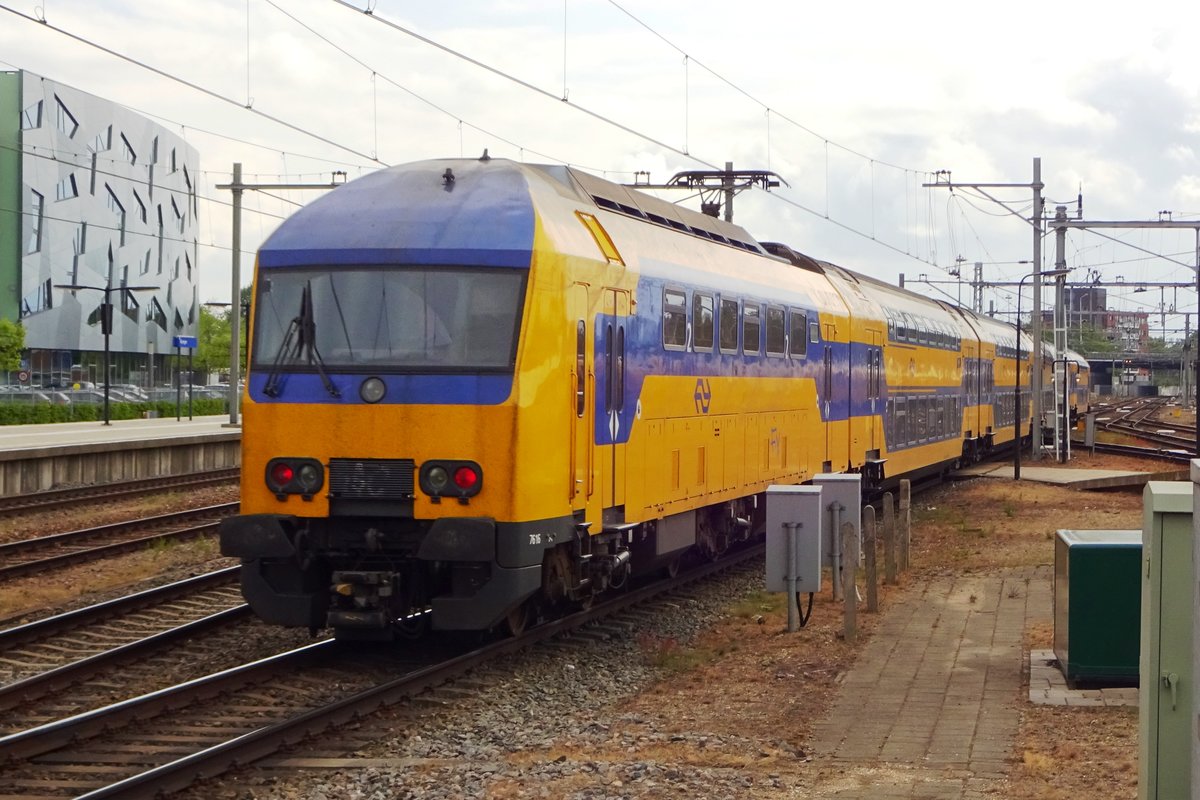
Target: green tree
{"points": [[12, 342], [1158, 346], [1090, 339], [212, 345]]}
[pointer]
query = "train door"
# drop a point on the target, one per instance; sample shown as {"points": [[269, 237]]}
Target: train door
{"points": [[616, 414], [581, 477], [875, 391], [827, 401]]}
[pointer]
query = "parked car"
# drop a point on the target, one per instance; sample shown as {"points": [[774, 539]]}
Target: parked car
{"points": [[135, 393]]}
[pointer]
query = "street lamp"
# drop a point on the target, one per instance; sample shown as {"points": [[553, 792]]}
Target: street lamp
{"points": [[1054, 273], [106, 321]]}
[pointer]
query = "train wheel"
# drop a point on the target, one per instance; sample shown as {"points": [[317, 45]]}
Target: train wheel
{"points": [[412, 627], [516, 621], [672, 567], [712, 532], [585, 601]]}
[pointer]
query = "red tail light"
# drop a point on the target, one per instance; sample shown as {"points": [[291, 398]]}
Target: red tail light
{"points": [[450, 478], [282, 474], [465, 477], [302, 476]]}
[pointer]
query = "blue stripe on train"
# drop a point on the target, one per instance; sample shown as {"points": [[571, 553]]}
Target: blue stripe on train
{"points": [[401, 389]]}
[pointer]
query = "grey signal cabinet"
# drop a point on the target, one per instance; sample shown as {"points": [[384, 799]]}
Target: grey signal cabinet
{"points": [[1165, 694]]}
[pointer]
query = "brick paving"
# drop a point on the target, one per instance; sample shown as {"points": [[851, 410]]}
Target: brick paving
{"points": [[931, 706], [1048, 687]]}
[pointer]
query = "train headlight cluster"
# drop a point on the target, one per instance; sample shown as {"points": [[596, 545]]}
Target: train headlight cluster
{"points": [[302, 476], [460, 479]]}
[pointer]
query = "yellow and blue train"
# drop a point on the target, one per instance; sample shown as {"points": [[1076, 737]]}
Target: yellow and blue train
{"points": [[481, 390]]}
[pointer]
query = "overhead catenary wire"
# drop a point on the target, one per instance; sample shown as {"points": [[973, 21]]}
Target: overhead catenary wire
{"points": [[595, 115], [32, 151], [518, 81], [457, 118], [191, 85]]}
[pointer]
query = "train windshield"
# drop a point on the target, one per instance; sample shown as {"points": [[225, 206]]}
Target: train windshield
{"points": [[407, 319]]}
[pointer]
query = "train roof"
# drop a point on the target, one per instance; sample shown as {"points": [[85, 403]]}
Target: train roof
{"points": [[629, 201], [478, 211], [468, 212]]}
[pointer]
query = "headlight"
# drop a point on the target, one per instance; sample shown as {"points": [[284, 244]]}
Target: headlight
{"points": [[372, 390], [443, 478], [302, 476], [309, 477], [437, 479]]}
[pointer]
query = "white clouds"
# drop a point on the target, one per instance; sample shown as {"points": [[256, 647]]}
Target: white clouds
{"points": [[1107, 98]]}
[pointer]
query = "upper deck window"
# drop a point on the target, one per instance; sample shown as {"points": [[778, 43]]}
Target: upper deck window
{"points": [[729, 324], [776, 338], [752, 328], [674, 319], [702, 322], [798, 333]]}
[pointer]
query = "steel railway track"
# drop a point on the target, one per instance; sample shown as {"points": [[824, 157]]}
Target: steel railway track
{"points": [[28, 556], [182, 734], [1139, 419], [40, 660], [57, 498]]}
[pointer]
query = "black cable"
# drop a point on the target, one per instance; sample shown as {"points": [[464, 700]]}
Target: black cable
{"points": [[194, 86], [807, 613]]}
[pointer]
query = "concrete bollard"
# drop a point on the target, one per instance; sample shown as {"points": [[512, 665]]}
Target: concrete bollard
{"points": [[850, 548], [872, 573], [889, 540], [905, 522]]}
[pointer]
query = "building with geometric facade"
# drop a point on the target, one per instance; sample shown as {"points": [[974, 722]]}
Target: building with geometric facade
{"points": [[94, 194]]}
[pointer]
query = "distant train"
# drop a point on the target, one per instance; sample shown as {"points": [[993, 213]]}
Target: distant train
{"points": [[484, 391]]}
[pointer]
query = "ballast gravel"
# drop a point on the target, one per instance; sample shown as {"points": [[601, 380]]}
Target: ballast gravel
{"points": [[542, 726]]}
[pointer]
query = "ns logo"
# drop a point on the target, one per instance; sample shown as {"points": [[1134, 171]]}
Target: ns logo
{"points": [[702, 395]]}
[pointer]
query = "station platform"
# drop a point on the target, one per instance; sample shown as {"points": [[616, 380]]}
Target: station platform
{"points": [[35, 458], [1072, 478]]}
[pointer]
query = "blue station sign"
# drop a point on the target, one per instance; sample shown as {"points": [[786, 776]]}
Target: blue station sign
{"points": [[184, 341]]}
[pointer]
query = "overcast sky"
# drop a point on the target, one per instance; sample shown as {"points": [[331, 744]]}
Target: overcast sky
{"points": [[853, 104]]}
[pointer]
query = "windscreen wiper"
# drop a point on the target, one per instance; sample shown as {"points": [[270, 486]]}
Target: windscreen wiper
{"points": [[299, 343]]}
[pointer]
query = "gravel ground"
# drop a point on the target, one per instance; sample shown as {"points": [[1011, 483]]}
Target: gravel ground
{"points": [[529, 733]]}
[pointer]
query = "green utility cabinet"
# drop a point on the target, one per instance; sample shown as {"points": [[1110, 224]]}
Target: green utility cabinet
{"points": [[1165, 696], [1097, 597]]}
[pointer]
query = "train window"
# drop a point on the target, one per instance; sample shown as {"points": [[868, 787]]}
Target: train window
{"points": [[814, 332], [901, 329], [797, 333], [729, 325], [619, 372], [409, 319], [674, 319], [702, 322], [580, 367], [776, 338], [889, 423], [610, 379], [901, 421], [891, 329], [752, 328]]}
